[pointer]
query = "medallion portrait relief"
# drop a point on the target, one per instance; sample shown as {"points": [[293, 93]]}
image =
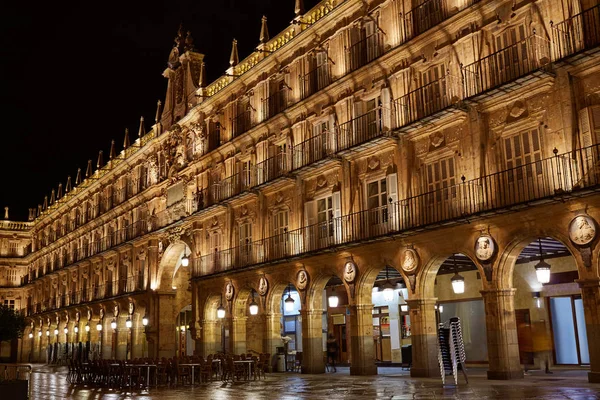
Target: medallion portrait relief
{"points": [[263, 286], [229, 291], [410, 260], [484, 248], [349, 272], [582, 230], [302, 280]]}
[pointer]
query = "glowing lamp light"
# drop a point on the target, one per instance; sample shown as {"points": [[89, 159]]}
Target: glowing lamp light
{"points": [[289, 303], [40, 334], [99, 326], [404, 307], [76, 329], [56, 332], [253, 308], [30, 335], [458, 283], [87, 327], [333, 301], [185, 261], [221, 312], [542, 271], [47, 332], [145, 321], [441, 308], [113, 324], [182, 327], [66, 330], [128, 323]]}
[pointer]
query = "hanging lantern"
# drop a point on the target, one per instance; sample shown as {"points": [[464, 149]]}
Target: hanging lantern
{"points": [[76, 329], [404, 307], [30, 335], [333, 301], [387, 287], [221, 311], [458, 283], [253, 306], [56, 332], [99, 326], [185, 261], [66, 330], [87, 327], [289, 302], [542, 268], [113, 324], [47, 332], [182, 328], [128, 323], [145, 321], [40, 334]]}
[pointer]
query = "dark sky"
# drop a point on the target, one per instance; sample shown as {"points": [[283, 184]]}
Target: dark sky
{"points": [[74, 75]]}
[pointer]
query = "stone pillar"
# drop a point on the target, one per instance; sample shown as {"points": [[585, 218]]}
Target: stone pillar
{"points": [[211, 337], [166, 325], [272, 338], [362, 346], [122, 337], [502, 341], [312, 341], [424, 338], [238, 336], [590, 295]]}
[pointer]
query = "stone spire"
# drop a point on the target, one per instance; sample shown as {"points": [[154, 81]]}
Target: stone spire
{"points": [[78, 177], [189, 42], [113, 150], [6, 213], [52, 197], [45, 206], [202, 81], [59, 194], [88, 171], [299, 8], [158, 110], [234, 59], [142, 130], [126, 142], [100, 162], [264, 31], [68, 186], [39, 210]]}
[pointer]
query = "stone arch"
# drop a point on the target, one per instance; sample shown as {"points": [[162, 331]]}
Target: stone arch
{"points": [[508, 253], [170, 264], [366, 280], [315, 291]]}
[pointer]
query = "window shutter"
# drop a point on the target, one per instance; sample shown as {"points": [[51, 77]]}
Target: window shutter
{"points": [[392, 194], [386, 113], [310, 220], [337, 216]]}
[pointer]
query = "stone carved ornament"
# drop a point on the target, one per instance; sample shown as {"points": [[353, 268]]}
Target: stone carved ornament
{"points": [[410, 260], [349, 271], [582, 230], [485, 248], [263, 286], [302, 280], [131, 308], [229, 291]]}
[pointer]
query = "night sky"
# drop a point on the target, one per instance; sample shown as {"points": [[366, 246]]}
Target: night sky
{"points": [[74, 75]]}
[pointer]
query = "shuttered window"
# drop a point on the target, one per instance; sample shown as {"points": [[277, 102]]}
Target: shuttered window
{"points": [[523, 154], [441, 179]]}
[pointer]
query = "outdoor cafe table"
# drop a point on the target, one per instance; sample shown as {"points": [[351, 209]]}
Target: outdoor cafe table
{"points": [[193, 365], [249, 362], [147, 366]]}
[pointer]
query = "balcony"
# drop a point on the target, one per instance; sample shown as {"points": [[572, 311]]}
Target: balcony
{"points": [[576, 34], [241, 123], [275, 103], [506, 65], [315, 80], [312, 150], [550, 179], [359, 130], [364, 51], [271, 169], [424, 17]]}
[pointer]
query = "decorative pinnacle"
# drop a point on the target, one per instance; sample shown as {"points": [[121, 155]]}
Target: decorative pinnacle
{"points": [[52, 197], [88, 171], [68, 185], [126, 142], [202, 82], [157, 117], [299, 8], [142, 130], [100, 162], [78, 176], [234, 59], [59, 193], [45, 206], [264, 31], [113, 150]]}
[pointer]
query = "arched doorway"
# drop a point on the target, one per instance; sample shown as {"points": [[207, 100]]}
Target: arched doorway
{"points": [[185, 342], [291, 328], [335, 321], [549, 309]]}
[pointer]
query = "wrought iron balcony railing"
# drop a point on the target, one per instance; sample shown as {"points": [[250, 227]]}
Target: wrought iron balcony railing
{"points": [[241, 123], [313, 149], [364, 51], [507, 64], [359, 130], [315, 80], [578, 33], [425, 16], [553, 177], [275, 103]]}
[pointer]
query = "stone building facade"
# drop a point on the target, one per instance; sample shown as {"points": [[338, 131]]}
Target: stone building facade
{"points": [[367, 136]]}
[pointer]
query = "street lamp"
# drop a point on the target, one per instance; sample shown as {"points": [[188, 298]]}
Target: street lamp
{"points": [[87, 327], [66, 330], [289, 302], [128, 323], [76, 329], [333, 300], [458, 282], [30, 335], [185, 261], [47, 332], [542, 269], [113, 324], [40, 333], [253, 305], [221, 310], [145, 320], [99, 326], [56, 332]]}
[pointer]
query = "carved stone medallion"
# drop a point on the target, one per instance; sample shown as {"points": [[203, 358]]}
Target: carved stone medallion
{"points": [[229, 291], [263, 286], [485, 248], [582, 230], [410, 260], [349, 271], [302, 280]]}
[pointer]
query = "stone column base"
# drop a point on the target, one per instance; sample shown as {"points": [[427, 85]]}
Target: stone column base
{"points": [[364, 370], [594, 377], [504, 375]]}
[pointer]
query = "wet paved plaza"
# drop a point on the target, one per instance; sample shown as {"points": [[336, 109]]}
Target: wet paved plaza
{"points": [[391, 383]]}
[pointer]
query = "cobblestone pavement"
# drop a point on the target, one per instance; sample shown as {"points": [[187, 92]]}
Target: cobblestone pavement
{"points": [[391, 383]]}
